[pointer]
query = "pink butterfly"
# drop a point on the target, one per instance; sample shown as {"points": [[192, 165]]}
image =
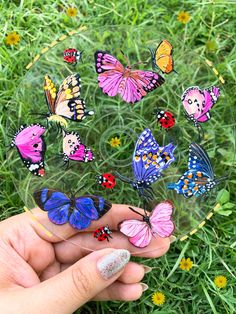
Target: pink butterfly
{"points": [[114, 79], [73, 149], [159, 222], [31, 147], [198, 103]]}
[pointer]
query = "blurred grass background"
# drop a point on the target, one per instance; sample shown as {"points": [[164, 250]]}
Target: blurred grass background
{"points": [[208, 34]]}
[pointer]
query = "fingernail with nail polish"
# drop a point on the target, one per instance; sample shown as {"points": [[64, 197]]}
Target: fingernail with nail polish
{"points": [[111, 264], [172, 239], [144, 286], [147, 269]]}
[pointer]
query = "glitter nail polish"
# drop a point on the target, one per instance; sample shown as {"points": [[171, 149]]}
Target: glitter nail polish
{"points": [[111, 264]]}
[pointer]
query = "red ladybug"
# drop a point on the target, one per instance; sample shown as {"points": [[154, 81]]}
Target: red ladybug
{"points": [[72, 55], [103, 233], [107, 180], [165, 118]]}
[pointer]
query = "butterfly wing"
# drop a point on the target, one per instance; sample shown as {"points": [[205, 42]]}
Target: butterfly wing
{"points": [[136, 84], [196, 180], [161, 220], [56, 203], [149, 159], [110, 72], [31, 146], [197, 102], [73, 149], [50, 93], [162, 57], [88, 208], [67, 103], [139, 232]]}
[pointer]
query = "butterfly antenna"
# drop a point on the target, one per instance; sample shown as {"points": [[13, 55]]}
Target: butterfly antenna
{"points": [[135, 211], [122, 178], [126, 58], [221, 179], [79, 189]]}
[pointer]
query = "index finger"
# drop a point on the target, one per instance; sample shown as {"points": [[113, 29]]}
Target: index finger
{"points": [[113, 217]]}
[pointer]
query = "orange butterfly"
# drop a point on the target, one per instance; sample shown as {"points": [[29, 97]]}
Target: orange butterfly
{"points": [[162, 57]]}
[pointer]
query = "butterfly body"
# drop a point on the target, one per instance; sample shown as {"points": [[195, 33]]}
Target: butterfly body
{"points": [[157, 223], [199, 178], [198, 103], [78, 211], [65, 103], [31, 147], [166, 119], [72, 55], [114, 78], [103, 233], [149, 160], [107, 180], [162, 57], [73, 149]]}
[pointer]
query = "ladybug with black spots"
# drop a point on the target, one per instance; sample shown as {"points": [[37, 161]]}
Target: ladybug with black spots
{"points": [[72, 55], [107, 180], [103, 233], [165, 118]]}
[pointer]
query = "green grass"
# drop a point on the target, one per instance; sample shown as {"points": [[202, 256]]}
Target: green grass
{"points": [[136, 25]]}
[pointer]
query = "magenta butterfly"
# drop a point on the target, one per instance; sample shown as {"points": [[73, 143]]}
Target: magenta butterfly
{"points": [[73, 149], [158, 223], [31, 147], [114, 78], [198, 103]]}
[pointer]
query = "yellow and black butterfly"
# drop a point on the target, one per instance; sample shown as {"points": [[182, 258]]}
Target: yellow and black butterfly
{"points": [[162, 57], [65, 103]]}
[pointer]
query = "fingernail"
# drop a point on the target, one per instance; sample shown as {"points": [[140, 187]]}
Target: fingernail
{"points": [[111, 264], [172, 239], [147, 269], [144, 286]]}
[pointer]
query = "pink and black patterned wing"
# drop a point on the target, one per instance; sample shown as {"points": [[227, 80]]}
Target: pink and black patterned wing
{"points": [[198, 103], [136, 84], [31, 146], [73, 149], [110, 72]]}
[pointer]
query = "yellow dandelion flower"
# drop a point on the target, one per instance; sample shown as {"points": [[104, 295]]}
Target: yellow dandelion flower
{"points": [[115, 142], [220, 281], [12, 38], [183, 17], [186, 264], [158, 298], [72, 11]]}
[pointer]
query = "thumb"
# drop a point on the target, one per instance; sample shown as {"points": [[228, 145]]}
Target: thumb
{"points": [[67, 291]]}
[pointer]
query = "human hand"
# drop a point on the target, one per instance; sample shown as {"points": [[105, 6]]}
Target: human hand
{"points": [[43, 274]]}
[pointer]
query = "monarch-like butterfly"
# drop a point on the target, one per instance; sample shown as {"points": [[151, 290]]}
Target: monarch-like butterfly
{"points": [[65, 103]]}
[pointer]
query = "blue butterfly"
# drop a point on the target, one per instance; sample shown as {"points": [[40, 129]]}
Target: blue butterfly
{"points": [[149, 160], [199, 178], [79, 212]]}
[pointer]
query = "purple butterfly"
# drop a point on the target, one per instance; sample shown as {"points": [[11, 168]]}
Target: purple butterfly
{"points": [[31, 147], [149, 160], [198, 103], [114, 78]]}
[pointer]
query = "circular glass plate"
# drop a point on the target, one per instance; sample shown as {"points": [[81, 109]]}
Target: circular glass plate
{"points": [[115, 118]]}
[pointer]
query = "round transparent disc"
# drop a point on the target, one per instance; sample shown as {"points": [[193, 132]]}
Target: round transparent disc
{"points": [[114, 118]]}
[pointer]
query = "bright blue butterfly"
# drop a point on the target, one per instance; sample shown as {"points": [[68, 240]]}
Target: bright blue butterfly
{"points": [[149, 160], [78, 211], [199, 178]]}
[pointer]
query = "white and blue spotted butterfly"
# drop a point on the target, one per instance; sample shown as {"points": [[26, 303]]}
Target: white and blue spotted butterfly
{"points": [[199, 178]]}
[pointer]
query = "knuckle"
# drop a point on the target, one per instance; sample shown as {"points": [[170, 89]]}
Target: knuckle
{"points": [[82, 284]]}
